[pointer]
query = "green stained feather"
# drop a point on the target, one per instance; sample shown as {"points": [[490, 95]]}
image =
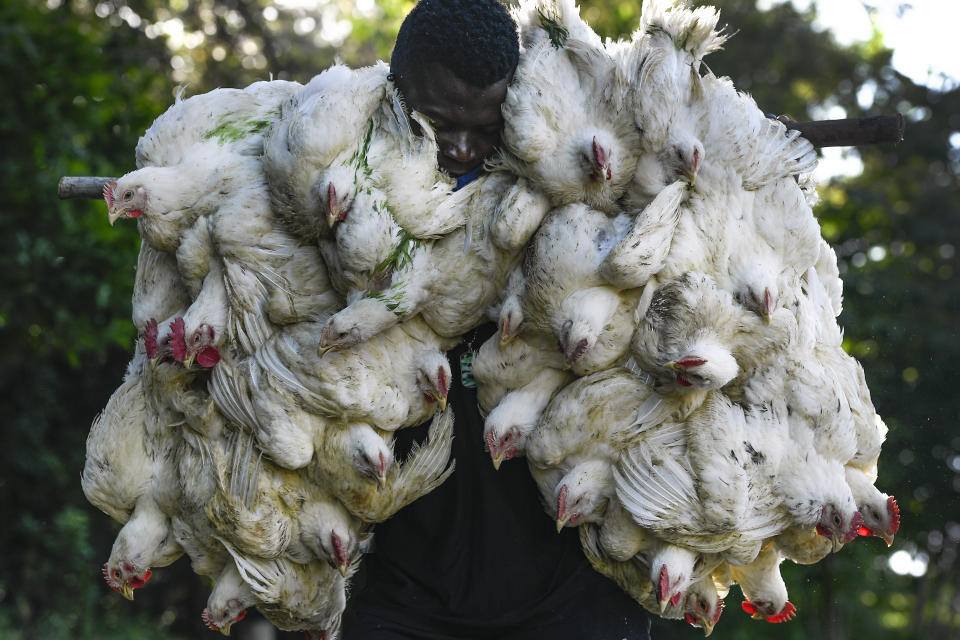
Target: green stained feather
{"points": [[392, 298], [557, 32], [359, 157], [234, 130], [401, 254]]}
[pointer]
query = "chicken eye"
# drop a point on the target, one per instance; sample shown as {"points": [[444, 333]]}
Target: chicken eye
{"points": [[702, 605], [506, 438], [116, 575], [127, 194], [836, 520]]}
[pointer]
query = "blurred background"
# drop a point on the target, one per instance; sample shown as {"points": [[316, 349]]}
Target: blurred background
{"points": [[84, 78]]}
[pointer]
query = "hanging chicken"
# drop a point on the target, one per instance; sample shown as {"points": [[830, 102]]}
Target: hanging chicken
{"points": [[668, 359]]}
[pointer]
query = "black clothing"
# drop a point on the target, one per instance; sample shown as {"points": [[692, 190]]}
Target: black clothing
{"points": [[479, 558]]}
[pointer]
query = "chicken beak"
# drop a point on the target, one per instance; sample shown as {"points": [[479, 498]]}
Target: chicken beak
{"points": [[332, 217], [672, 366], [707, 626], [225, 629], [324, 346], [498, 460], [113, 215], [188, 361], [663, 602], [342, 568], [126, 591], [442, 403], [836, 543], [381, 480], [562, 522], [323, 349], [887, 537]]}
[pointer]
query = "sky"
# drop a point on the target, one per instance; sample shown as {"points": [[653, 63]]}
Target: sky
{"points": [[921, 33]]}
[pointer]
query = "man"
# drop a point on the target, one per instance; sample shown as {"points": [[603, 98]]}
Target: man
{"points": [[478, 557]]}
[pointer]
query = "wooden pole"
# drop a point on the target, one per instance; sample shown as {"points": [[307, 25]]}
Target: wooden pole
{"points": [[852, 132], [81, 188]]}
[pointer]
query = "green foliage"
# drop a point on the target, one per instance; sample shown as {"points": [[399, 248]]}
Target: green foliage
{"points": [[86, 78], [234, 130], [557, 32]]}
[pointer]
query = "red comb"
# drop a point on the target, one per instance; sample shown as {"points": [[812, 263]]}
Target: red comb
{"points": [[747, 606], [894, 510], [690, 361], [177, 340], [150, 338], [663, 589], [338, 549], [205, 616], [785, 614], [106, 577], [331, 198], [767, 301], [599, 155], [442, 382], [854, 529], [716, 616], [562, 503], [108, 193], [675, 598]]}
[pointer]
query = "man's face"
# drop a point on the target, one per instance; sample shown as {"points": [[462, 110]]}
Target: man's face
{"points": [[466, 119]]}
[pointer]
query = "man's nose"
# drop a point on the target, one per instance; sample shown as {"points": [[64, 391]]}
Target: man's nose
{"points": [[458, 146]]}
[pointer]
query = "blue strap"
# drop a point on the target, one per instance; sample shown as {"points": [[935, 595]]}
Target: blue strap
{"points": [[467, 178]]}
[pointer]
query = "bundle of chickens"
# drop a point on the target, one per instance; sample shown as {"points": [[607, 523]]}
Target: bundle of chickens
{"points": [[668, 357]]}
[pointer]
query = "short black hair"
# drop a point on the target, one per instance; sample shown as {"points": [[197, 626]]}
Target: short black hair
{"points": [[475, 39]]}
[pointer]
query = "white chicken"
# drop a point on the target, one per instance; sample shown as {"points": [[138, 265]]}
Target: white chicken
{"points": [[567, 82], [565, 294], [294, 597], [124, 475], [228, 601], [356, 464], [309, 163], [306, 265], [450, 282], [763, 588]]}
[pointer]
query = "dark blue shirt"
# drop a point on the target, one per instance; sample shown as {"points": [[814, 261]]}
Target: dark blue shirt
{"points": [[479, 558]]}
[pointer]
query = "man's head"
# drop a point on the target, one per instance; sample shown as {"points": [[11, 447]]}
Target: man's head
{"points": [[452, 62]]}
